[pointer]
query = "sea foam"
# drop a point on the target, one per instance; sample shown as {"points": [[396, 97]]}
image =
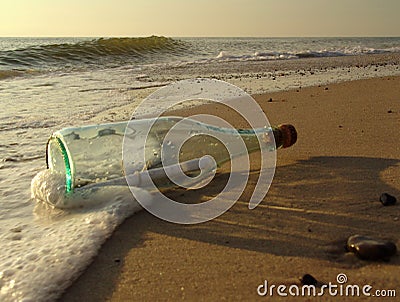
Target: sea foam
{"points": [[41, 258]]}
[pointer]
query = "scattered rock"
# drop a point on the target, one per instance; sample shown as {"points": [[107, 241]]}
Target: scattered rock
{"points": [[307, 279], [390, 111], [117, 260], [326, 88], [387, 199], [270, 100], [368, 248]]}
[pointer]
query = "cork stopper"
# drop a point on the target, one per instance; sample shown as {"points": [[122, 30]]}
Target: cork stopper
{"points": [[289, 135]]}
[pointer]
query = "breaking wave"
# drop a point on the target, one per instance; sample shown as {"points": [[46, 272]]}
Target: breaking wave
{"points": [[101, 51]]}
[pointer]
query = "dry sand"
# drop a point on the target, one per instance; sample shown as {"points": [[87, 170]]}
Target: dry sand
{"points": [[326, 188]]}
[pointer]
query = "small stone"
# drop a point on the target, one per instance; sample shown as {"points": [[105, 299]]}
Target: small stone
{"points": [[326, 88], [390, 111], [387, 199], [270, 100], [117, 260], [307, 279], [368, 248]]}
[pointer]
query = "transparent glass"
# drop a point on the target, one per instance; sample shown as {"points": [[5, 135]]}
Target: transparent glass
{"points": [[93, 154]]}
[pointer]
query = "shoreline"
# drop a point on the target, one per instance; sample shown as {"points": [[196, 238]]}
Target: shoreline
{"points": [[326, 188], [277, 75], [264, 77]]}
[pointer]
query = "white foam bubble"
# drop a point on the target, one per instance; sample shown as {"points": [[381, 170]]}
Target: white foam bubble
{"points": [[41, 258]]}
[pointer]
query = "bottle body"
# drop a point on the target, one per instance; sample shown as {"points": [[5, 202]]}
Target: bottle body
{"points": [[93, 154]]}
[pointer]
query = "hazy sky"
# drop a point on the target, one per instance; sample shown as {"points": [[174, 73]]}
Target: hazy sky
{"points": [[262, 18]]}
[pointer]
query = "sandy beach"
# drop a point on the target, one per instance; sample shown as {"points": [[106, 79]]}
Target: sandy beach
{"points": [[326, 188]]}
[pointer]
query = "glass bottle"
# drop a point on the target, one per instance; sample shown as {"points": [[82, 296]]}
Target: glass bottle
{"points": [[94, 154]]}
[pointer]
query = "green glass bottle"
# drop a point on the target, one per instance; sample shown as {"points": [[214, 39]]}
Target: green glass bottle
{"points": [[94, 154]]}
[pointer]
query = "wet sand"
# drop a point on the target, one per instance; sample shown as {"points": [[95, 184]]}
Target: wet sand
{"points": [[326, 188]]}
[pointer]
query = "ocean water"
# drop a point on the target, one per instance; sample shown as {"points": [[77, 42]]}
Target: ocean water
{"points": [[50, 83]]}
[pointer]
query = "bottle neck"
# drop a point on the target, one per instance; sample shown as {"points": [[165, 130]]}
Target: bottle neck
{"points": [[284, 136]]}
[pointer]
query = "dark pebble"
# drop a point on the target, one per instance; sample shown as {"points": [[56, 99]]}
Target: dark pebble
{"points": [[117, 260], [307, 279], [326, 88], [390, 111], [387, 199], [270, 100], [368, 248]]}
